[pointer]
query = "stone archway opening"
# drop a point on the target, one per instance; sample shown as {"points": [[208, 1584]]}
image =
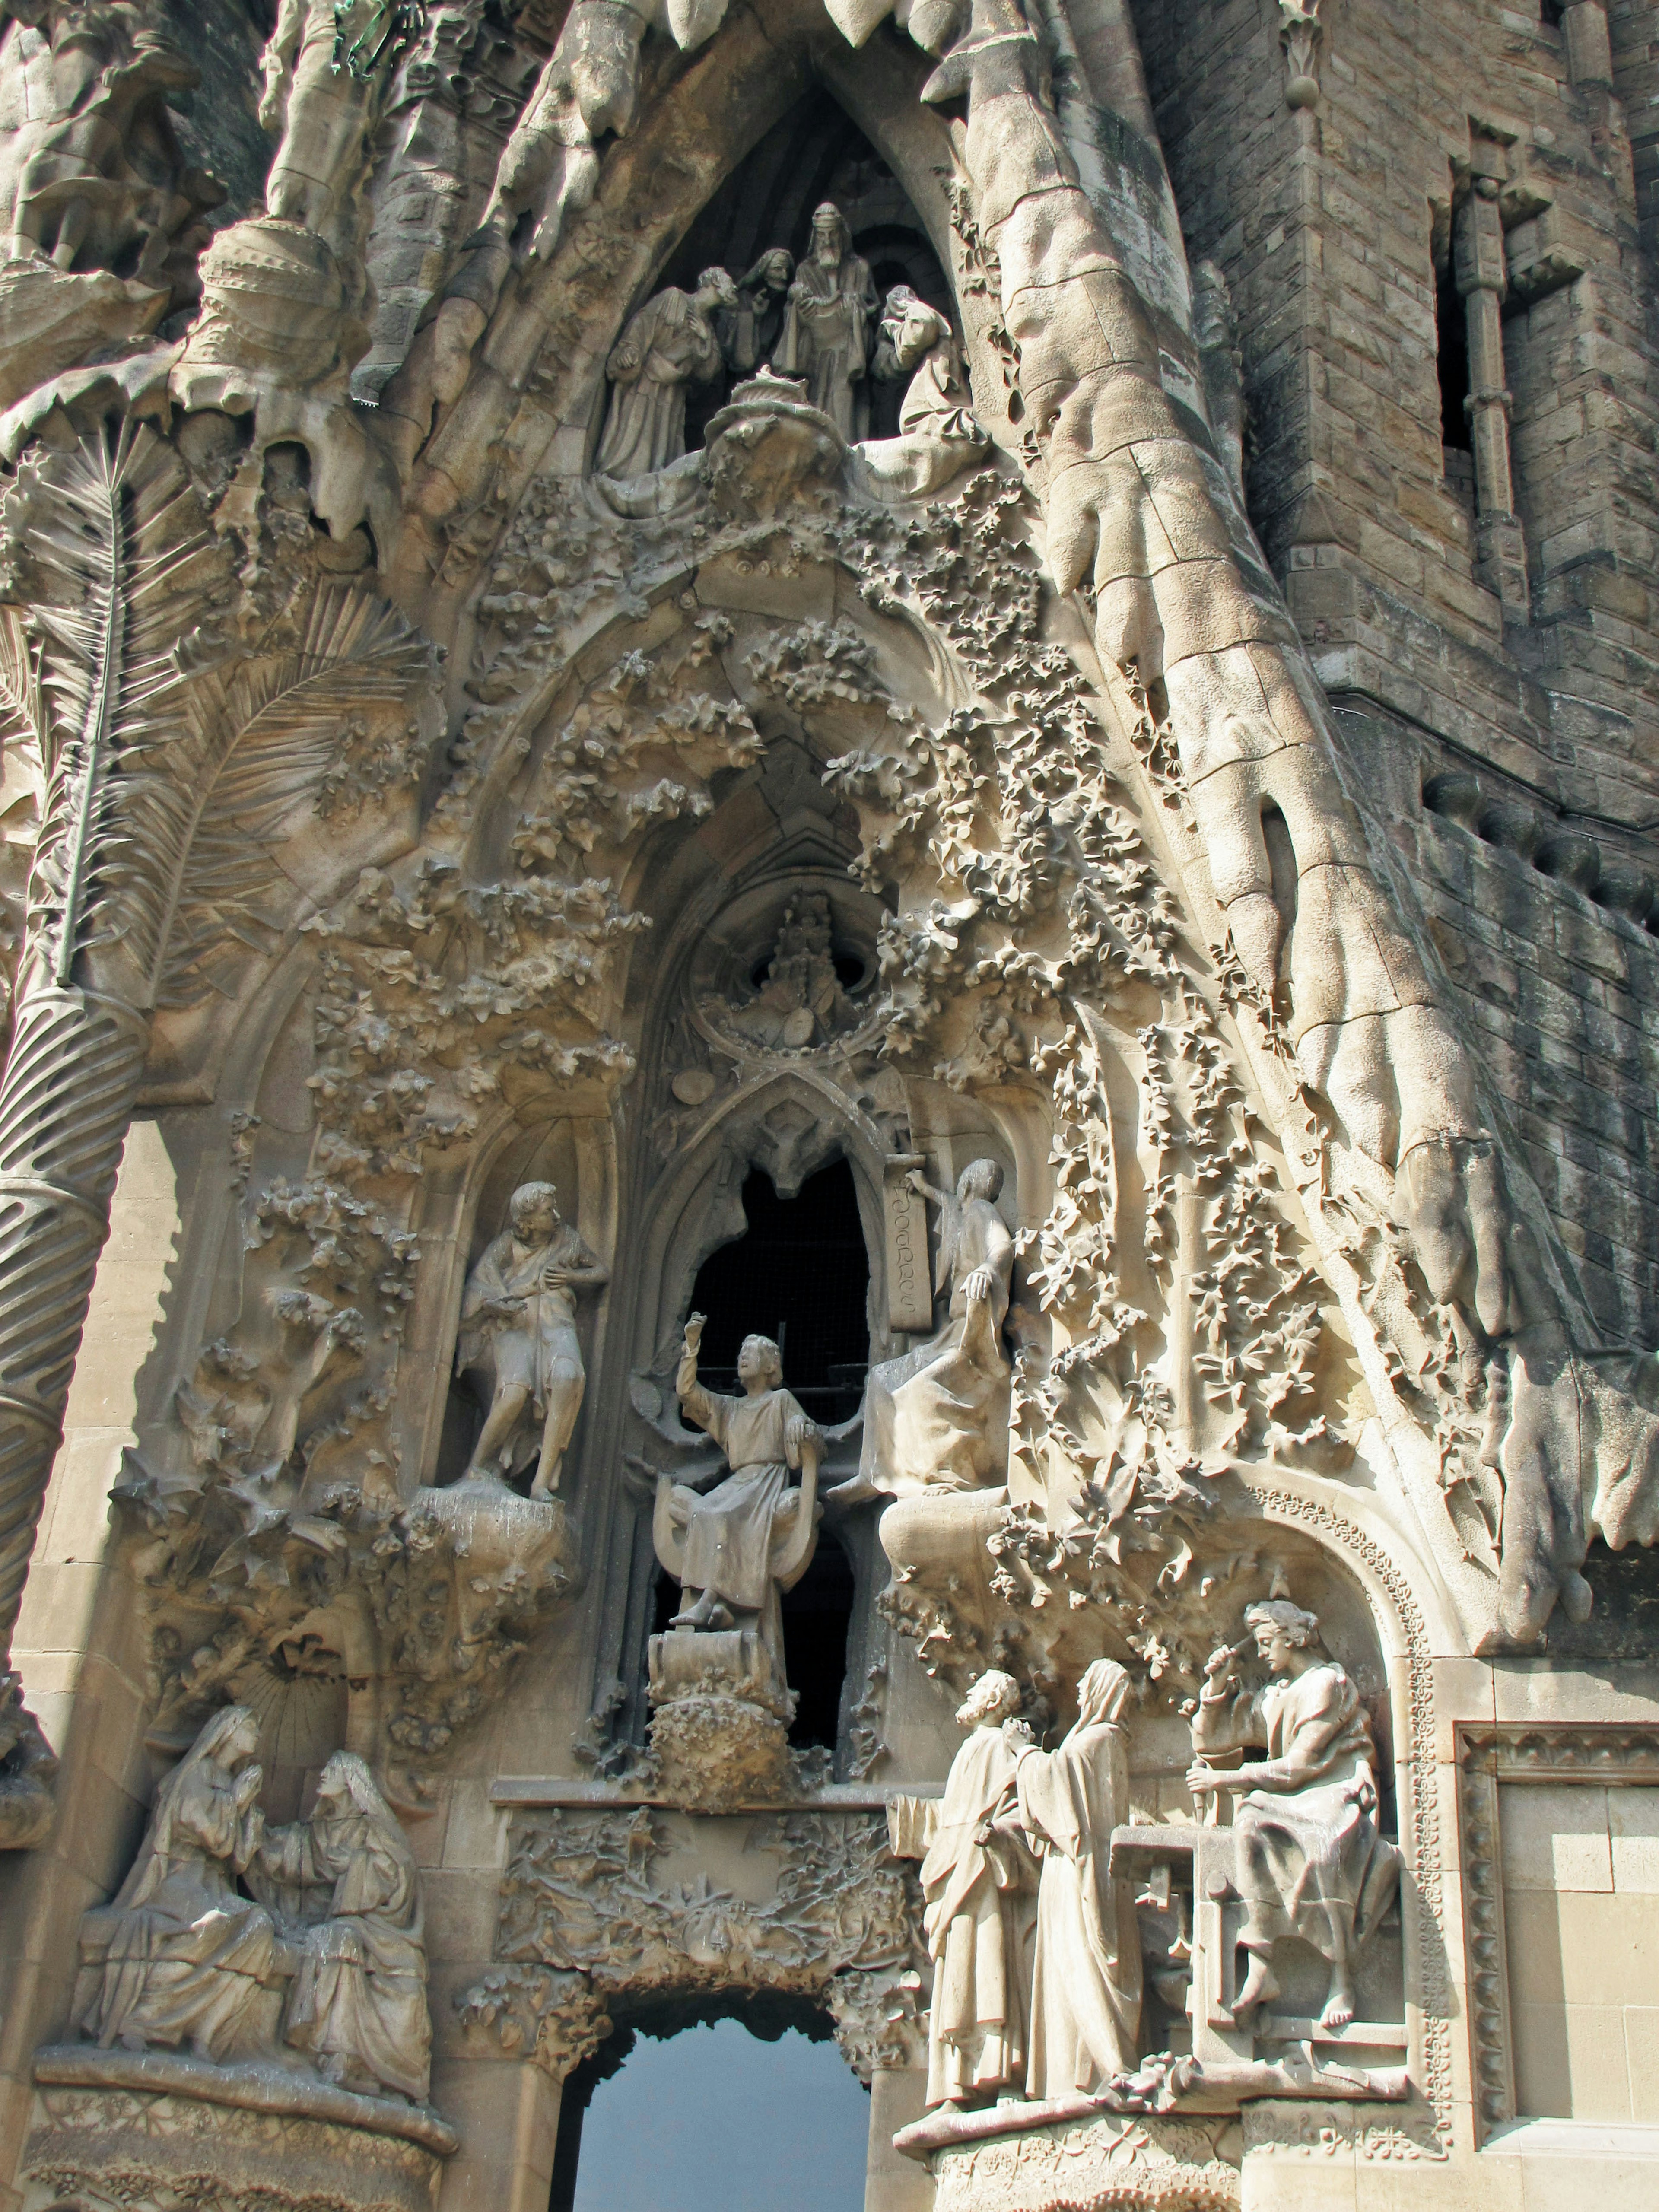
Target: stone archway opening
{"points": [[665, 2109]]}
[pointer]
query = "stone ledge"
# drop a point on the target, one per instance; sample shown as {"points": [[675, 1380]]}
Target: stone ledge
{"points": [[249, 2088]]}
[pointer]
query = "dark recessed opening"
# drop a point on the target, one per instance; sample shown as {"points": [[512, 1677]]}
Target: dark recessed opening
{"points": [[799, 1274], [817, 1616], [1452, 362]]}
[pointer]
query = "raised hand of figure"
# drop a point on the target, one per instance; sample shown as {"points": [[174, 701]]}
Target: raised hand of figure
{"points": [[245, 1787], [694, 1325], [1219, 1665]]}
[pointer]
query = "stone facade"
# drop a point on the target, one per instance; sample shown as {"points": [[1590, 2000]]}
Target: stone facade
{"points": [[827, 1152]]}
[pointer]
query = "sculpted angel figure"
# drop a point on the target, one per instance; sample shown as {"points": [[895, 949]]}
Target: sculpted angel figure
{"points": [[827, 324], [1086, 1987], [519, 1332], [728, 1559], [669, 344], [1311, 1860], [180, 1956], [357, 2006], [936, 1417], [979, 1881]]}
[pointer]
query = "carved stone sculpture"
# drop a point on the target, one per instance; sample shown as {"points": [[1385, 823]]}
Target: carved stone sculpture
{"points": [[326, 65], [519, 1332], [1087, 1981], [936, 1418], [357, 2005], [324, 1963], [939, 434], [1310, 1861], [734, 1549], [802, 1000], [827, 324], [980, 1883], [750, 330], [670, 344], [181, 1956]]}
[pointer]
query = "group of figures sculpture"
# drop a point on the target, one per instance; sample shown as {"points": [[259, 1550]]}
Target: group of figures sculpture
{"points": [[239, 1941], [822, 323], [1032, 1926]]}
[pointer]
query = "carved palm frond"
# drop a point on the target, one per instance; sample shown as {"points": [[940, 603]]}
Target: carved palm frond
{"points": [[172, 757], [210, 801]]}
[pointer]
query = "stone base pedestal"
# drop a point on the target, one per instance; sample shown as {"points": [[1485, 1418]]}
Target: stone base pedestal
{"points": [[1130, 2164], [136, 2131], [720, 1733]]}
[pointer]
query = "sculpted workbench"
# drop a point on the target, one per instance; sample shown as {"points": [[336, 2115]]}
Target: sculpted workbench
{"points": [[825, 1179]]}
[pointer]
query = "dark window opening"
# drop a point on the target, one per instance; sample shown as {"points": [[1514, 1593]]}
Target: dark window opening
{"points": [[676, 2089], [801, 1274], [817, 1616], [1550, 12], [1452, 362]]}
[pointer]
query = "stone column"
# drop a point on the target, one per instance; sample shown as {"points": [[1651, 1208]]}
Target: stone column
{"points": [[894, 2183], [1482, 279]]}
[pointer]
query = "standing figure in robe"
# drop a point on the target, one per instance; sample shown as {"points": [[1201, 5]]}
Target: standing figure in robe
{"points": [[979, 1882], [749, 330], [726, 1567], [1311, 1860], [519, 1331], [828, 323], [180, 1956], [670, 344], [936, 1417], [1085, 1993], [358, 2006]]}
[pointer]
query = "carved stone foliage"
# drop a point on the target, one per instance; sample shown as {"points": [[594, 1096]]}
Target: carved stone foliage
{"points": [[591, 1918], [1154, 2165]]}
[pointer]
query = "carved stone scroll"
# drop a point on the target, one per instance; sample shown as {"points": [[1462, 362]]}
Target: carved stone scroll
{"points": [[909, 1281]]}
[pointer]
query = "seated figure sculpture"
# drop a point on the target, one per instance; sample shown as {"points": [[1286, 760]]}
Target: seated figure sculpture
{"points": [[357, 2003], [734, 1549], [181, 1957], [519, 1331], [1311, 1860], [323, 1967], [936, 1418]]}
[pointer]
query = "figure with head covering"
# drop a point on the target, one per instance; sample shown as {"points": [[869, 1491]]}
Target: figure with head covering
{"points": [[1311, 1860], [749, 330], [519, 1332], [358, 2008], [938, 433], [1085, 1992], [723, 1548], [827, 324], [936, 1417], [181, 1957], [670, 344], [979, 1881]]}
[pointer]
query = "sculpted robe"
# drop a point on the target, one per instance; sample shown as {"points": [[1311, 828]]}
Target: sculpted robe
{"points": [[1086, 1994], [669, 344], [826, 338], [1310, 1846], [978, 1922], [181, 1957], [358, 2001], [728, 1533], [936, 1417]]}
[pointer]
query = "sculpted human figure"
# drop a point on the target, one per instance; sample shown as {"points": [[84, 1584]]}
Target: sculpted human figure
{"points": [[979, 1882], [180, 1956], [726, 1567], [827, 324], [71, 193], [357, 2005], [749, 330], [936, 1417], [519, 1332], [1311, 1860], [670, 344], [326, 66], [1086, 1988]]}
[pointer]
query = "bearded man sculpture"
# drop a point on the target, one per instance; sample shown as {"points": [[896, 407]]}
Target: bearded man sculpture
{"points": [[828, 324], [1311, 1859]]}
